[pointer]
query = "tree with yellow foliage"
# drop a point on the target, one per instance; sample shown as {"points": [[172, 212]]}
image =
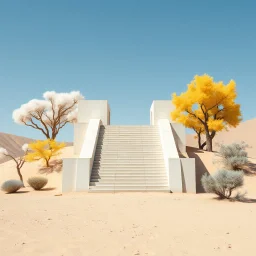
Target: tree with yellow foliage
{"points": [[198, 128], [43, 150], [207, 107]]}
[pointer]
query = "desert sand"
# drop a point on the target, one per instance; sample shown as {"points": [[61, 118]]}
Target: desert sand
{"points": [[39, 223], [13, 143], [243, 132], [163, 224]]}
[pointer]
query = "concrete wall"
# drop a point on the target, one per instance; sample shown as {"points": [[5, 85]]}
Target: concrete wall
{"points": [[69, 174], [90, 142], [180, 171], [161, 109], [171, 155], [179, 132], [188, 175], [77, 171], [79, 136], [83, 174], [93, 109]]}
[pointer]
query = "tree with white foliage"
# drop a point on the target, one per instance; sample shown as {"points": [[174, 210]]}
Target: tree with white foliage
{"points": [[19, 162], [51, 114]]}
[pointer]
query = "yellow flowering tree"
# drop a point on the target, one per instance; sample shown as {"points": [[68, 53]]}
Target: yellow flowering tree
{"points": [[43, 150], [207, 107]]}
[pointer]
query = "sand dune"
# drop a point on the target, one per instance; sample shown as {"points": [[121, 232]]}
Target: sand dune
{"points": [[14, 143], [244, 132]]}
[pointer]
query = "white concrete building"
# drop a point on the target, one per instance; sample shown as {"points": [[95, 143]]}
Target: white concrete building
{"points": [[128, 158]]}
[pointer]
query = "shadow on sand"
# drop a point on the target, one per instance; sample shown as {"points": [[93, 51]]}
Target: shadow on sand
{"points": [[200, 167], [47, 189], [250, 169], [241, 200], [55, 166], [18, 192]]}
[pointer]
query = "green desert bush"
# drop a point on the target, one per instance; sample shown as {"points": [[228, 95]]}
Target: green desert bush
{"points": [[12, 186], [223, 182], [233, 156], [37, 183]]}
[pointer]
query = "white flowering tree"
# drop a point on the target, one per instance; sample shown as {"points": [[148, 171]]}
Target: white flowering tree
{"points": [[51, 114], [19, 161]]}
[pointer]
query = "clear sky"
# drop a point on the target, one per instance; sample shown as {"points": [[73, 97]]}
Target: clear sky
{"points": [[127, 52]]}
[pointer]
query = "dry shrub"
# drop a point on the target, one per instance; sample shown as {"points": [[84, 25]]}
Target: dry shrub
{"points": [[12, 186], [223, 182], [37, 183], [233, 156]]}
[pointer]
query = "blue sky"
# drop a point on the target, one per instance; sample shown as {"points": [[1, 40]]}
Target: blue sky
{"points": [[128, 52]]}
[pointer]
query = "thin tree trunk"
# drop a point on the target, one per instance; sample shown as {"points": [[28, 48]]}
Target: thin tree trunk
{"points": [[20, 175], [199, 141], [208, 140], [203, 145]]}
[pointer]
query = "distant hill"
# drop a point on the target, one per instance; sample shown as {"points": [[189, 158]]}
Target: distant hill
{"points": [[14, 143], [246, 132]]}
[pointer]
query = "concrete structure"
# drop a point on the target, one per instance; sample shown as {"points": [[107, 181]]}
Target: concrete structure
{"points": [[128, 158]]}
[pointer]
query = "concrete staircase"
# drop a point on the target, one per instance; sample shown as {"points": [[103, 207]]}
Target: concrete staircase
{"points": [[128, 158]]}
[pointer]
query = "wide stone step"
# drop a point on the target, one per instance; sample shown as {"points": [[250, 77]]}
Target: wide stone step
{"points": [[130, 144], [131, 131], [130, 147], [132, 183], [133, 153], [128, 188], [127, 140], [127, 157], [154, 131], [131, 127], [103, 173], [127, 160], [145, 180], [112, 178], [131, 165], [129, 137], [127, 178], [128, 131], [128, 175]]}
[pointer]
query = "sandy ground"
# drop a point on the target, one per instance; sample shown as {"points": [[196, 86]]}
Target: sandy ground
{"points": [[244, 132], [39, 223], [8, 171], [162, 224]]}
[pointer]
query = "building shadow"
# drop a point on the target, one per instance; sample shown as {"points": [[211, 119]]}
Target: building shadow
{"points": [[200, 167]]}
